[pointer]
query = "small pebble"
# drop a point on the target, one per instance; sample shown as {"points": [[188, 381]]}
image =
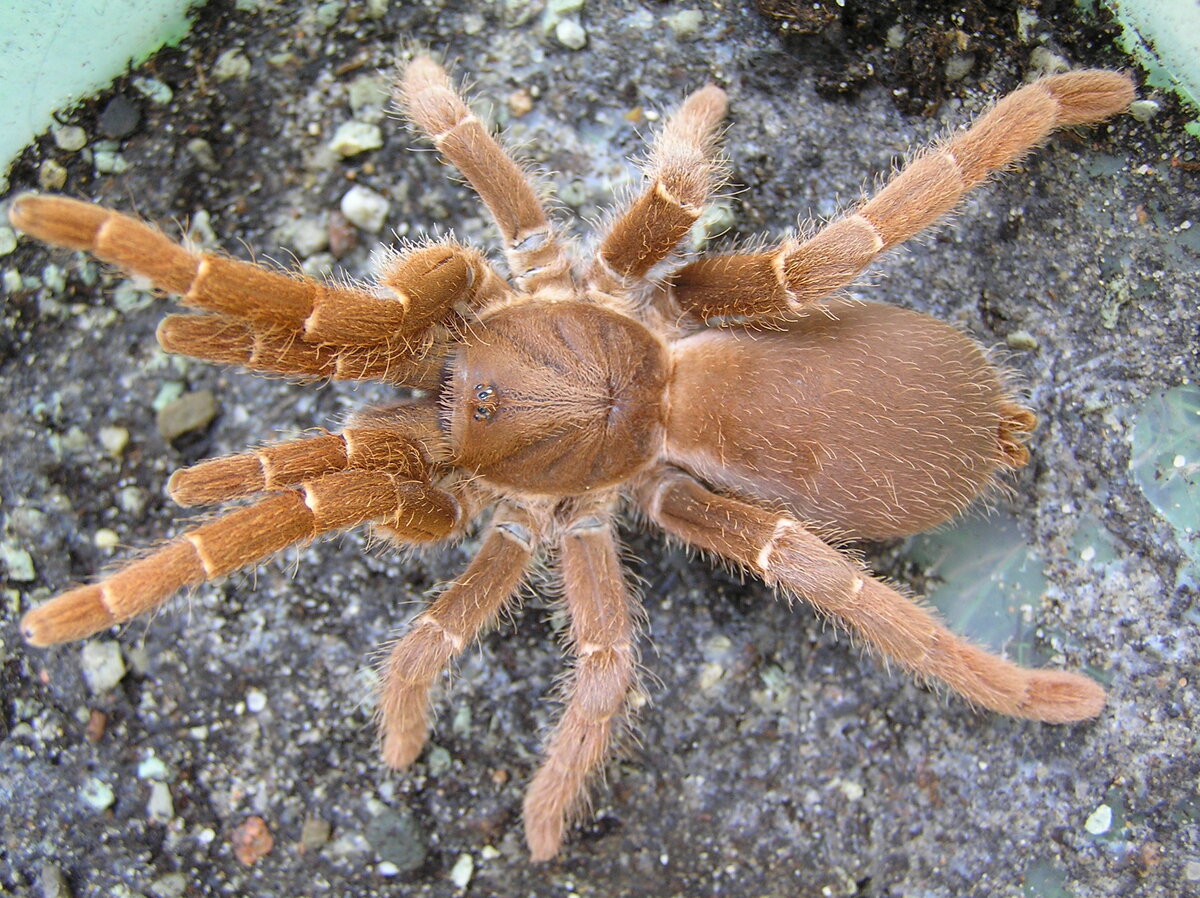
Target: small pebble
{"points": [[462, 871], [114, 440], [368, 95], [19, 563], [201, 150], [109, 162], [558, 10], [190, 412], [319, 265], [200, 234], [686, 23], [102, 665], [314, 833], [959, 66], [327, 14], [717, 219], [574, 194], [710, 675], [571, 34], [172, 885], [306, 235], [852, 790], [255, 701], [119, 118], [51, 175], [398, 839], [69, 138], [1144, 110], [437, 760], [352, 138], [1191, 871], [252, 841], [132, 500], [160, 807], [231, 64], [106, 538], [520, 102], [154, 90], [51, 882], [54, 278], [1099, 821], [365, 208], [152, 768], [1027, 20], [168, 393], [129, 297], [96, 724], [97, 794], [1021, 340], [1043, 61], [8, 240]]}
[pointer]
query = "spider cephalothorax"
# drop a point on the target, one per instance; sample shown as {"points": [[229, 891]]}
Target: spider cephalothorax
{"points": [[565, 394]]}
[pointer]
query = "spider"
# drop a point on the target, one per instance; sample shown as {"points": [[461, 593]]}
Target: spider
{"points": [[735, 402]]}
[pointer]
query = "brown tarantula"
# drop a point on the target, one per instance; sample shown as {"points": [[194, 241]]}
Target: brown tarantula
{"points": [[729, 401]]}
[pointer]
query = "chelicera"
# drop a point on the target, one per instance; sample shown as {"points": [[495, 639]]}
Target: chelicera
{"points": [[729, 401]]}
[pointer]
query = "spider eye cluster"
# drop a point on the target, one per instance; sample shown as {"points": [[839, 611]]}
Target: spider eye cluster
{"points": [[556, 398], [487, 402]]}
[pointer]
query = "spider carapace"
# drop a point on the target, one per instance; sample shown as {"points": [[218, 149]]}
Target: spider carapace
{"points": [[729, 401]]}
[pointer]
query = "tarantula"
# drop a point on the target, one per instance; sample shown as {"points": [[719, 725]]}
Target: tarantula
{"points": [[728, 401]]}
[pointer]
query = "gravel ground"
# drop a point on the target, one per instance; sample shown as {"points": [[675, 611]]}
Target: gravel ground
{"points": [[773, 758]]}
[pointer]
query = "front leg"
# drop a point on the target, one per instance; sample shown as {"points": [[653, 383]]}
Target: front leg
{"points": [[786, 554]]}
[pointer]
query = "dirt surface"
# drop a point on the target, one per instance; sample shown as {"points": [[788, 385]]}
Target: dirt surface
{"points": [[774, 759]]}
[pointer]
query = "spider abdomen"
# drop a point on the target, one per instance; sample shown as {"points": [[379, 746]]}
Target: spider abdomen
{"points": [[874, 421], [557, 398]]}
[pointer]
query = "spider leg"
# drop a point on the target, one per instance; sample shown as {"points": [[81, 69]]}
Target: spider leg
{"points": [[680, 175], [446, 628], [600, 606], [789, 279], [415, 509], [270, 320], [432, 104], [784, 553], [229, 341], [277, 467]]}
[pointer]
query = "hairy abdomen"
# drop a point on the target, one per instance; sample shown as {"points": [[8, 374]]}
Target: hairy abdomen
{"points": [[876, 422]]}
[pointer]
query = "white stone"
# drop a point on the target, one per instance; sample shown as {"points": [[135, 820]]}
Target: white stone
{"points": [[365, 208], [1143, 110], [352, 138], [462, 871], [19, 563], [70, 138], [1099, 821], [97, 794], [102, 665], [152, 768], [160, 807], [255, 701], [686, 24], [571, 34], [231, 64], [114, 440]]}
